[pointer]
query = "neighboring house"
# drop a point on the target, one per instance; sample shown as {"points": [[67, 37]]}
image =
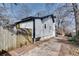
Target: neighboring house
{"points": [[41, 26]]}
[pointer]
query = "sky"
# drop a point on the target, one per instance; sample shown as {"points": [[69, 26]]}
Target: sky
{"points": [[17, 11], [38, 7]]}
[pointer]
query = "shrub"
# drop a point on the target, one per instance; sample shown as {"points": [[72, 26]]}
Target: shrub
{"points": [[73, 39]]}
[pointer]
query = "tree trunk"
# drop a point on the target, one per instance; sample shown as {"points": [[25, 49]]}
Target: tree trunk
{"points": [[75, 9]]}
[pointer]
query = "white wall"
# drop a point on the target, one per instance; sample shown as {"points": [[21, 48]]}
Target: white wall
{"points": [[49, 27], [40, 29]]}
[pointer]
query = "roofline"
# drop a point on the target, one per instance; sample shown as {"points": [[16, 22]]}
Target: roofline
{"points": [[32, 18]]}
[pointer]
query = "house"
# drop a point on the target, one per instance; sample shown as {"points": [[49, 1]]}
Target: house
{"points": [[41, 26], [26, 31]]}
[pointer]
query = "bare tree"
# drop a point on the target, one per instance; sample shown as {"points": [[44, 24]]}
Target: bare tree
{"points": [[75, 9], [4, 19], [62, 13]]}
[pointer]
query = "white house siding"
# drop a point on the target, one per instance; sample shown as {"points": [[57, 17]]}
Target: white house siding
{"points": [[38, 28], [46, 22], [53, 29], [49, 30], [28, 24], [41, 31]]}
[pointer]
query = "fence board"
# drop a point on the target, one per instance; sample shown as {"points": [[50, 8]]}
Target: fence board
{"points": [[9, 40]]}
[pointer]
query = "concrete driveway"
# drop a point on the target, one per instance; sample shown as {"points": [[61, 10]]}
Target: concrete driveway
{"points": [[51, 47]]}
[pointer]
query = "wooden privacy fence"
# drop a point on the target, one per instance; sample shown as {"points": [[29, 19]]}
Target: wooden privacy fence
{"points": [[10, 40]]}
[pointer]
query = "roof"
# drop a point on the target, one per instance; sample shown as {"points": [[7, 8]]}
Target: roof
{"points": [[31, 18]]}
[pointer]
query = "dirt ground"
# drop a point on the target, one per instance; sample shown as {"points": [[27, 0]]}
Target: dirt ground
{"points": [[58, 46]]}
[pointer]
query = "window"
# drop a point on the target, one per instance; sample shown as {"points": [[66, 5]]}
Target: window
{"points": [[45, 26]]}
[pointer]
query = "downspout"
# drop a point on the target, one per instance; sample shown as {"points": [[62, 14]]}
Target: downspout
{"points": [[53, 18], [33, 30]]}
